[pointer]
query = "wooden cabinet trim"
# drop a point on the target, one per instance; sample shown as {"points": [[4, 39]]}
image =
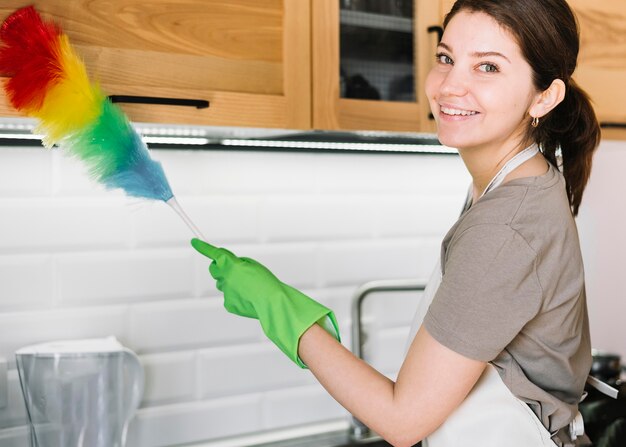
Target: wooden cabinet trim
{"points": [[297, 63], [325, 56]]}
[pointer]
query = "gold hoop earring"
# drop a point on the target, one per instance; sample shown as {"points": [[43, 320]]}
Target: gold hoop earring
{"points": [[535, 121]]}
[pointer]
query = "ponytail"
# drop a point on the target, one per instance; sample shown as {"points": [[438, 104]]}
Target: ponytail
{"points": [[573, 128]]}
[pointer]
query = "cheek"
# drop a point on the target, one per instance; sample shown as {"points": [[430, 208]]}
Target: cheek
{"points": [[494, 98], [515, 102]]}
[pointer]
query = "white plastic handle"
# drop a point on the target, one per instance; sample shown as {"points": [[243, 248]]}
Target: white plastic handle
{"points": [[173, 203], [136, 376]]}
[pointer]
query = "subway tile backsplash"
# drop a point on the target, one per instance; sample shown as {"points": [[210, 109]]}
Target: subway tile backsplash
{"points": [[77, 261]]}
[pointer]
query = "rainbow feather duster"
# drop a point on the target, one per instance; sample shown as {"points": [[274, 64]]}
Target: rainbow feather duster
{"points": [[48, 81]]}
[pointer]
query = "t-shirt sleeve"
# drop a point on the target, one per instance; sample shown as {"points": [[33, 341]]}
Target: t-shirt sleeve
{"points": [[488, 292]]}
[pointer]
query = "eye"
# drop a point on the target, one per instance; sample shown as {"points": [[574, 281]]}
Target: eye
{"points": [[488, 68], [443, 58]]}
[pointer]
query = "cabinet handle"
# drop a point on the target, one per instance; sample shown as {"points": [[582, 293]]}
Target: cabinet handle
{"points": [[439, 30], [436, 29], [197, 103], [608, 125]]}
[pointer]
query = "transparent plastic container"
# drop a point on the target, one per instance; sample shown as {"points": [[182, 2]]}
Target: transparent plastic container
{"points": [[80, 393]]}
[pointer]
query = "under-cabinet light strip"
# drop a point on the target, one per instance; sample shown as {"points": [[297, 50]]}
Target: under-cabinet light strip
{"points": [[176, 140], [20, 136], [430, 148]]}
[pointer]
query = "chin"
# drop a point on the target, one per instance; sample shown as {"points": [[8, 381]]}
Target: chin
{"points": [[454, 140]]}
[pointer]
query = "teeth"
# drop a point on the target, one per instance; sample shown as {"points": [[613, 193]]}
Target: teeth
{"points": [[448, 111]]}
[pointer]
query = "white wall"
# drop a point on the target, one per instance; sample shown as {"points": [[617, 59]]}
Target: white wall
{"points": [[76, 261], [602, 231]]}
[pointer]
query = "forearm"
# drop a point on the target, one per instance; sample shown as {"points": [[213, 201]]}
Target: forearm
{"points": [[363, 391]]}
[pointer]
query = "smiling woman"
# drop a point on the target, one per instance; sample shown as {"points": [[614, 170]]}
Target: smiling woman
{"points": [[500, 347]]}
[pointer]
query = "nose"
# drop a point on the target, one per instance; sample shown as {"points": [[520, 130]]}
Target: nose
{"points": [[454, 83]]}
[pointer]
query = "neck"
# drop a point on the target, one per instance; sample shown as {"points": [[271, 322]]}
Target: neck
{"points": [[484, 164]]}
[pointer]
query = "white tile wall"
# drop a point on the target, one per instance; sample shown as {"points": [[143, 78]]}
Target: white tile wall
{"points": [[188, 422], [226, 371], [77, 261], [98, 276], [17, 287], [28, 164], [298, 406], [59, 224], [182, 324], [169, 377]]}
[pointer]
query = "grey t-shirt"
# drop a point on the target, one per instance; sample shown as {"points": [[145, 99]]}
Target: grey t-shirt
{"points": [[513, 294]]}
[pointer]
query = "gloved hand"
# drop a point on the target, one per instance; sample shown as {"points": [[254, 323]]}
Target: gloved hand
{"points": [[251, 290]]}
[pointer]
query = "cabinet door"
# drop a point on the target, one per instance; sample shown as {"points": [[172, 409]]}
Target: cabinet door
{"points": [[370, 58], [602, 61], [249, 58], [444, 8]]}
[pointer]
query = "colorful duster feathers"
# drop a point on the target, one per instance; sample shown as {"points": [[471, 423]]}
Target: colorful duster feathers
{"points": [[48, 81]]}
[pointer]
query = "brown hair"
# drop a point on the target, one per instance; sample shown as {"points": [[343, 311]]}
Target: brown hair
{"points": [[547, 33]]}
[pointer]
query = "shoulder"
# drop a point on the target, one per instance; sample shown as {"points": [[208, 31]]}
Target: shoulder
{"points": [[511, 201], [487, 234], [527, 208], [479, 245]]}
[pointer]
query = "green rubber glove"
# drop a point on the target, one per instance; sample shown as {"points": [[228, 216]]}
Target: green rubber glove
{"points": [[251, 290]]}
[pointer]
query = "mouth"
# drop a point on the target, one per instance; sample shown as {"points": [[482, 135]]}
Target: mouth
{"points": [[450, 111]]}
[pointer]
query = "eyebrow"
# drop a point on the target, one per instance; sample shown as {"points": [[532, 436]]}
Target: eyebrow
{"points": [[478, 53]]}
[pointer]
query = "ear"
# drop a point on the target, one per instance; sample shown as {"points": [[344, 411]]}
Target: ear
{"points": [[548, 99]]}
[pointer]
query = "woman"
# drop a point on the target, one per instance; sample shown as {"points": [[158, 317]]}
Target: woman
{"points": [[503, 350]]}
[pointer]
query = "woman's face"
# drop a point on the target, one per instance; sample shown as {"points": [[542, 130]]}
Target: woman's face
{"points": [[481, 88]]}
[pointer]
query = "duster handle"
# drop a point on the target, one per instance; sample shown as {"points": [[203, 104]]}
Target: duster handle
{"points": [[176, 207]]}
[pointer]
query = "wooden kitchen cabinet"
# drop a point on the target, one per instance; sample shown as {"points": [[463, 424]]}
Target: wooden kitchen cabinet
{"points": [[361, 80], [278, 63], [602, 61], [250, 58]]}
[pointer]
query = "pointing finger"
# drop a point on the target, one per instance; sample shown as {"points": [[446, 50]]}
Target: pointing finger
{"points": [[206, 249]]}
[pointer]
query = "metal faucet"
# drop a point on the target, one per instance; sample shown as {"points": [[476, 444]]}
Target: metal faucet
{"points": [[358, 430]]}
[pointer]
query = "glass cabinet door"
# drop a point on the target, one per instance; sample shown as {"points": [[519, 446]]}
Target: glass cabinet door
{"points": [[377, 54], [370, 58]]}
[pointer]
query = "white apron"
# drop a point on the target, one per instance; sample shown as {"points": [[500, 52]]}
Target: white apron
{"points": [[490, 416]]}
